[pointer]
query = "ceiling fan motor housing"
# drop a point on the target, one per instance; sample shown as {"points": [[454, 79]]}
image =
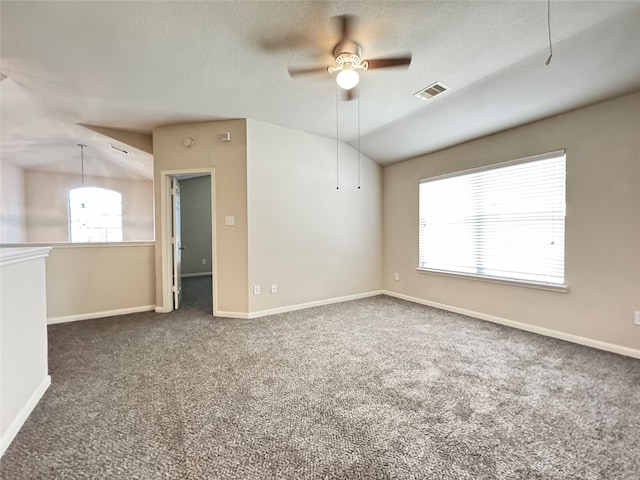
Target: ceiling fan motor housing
{"points": [[348, 56], [348, 47]]}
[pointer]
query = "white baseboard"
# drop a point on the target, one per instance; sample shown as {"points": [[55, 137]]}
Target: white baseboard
{"points": [[589, 342], [200, 274], [23, 414], [107, 313], [317, 303], [225, 314]]}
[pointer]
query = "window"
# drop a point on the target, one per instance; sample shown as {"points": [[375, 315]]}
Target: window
{"points": [[95, 215], [505, 221]]}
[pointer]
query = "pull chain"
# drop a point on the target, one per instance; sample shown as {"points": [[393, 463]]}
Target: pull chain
{"points": [[337, 143], [358, 92]]}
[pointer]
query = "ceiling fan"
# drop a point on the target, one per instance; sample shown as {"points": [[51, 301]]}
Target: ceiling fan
{"points": [[348, 60]]}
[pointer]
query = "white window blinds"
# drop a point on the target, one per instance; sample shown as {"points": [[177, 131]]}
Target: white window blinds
{"points": [[505, 221]]}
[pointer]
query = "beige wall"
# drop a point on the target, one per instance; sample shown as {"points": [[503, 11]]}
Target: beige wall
{"points": [[230, 162], [602, 226], [195, 202], [12, 215], [86, 279], [46, 200], [141, 141], [313, 241]]}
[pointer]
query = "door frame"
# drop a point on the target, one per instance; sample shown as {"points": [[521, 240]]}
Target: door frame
{"points": [[166, 255], [176, 241]]}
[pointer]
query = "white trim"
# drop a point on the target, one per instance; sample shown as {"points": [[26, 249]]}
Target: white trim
{"points": [[56, 245], [106, 313], [199, 274], [547, 332], [317, 303], [166, 260], [105, 244], [15, 426], [9, 256], [165, 236], [504, 281], [225, 314]]}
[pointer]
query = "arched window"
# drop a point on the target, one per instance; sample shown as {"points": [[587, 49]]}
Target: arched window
{"points": [[95, 215]]}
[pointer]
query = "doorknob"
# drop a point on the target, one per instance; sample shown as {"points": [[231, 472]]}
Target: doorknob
{"points": [[182, 248]]}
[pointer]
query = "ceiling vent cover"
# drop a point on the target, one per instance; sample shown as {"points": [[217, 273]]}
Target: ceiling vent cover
{"points": [[431, 91]]}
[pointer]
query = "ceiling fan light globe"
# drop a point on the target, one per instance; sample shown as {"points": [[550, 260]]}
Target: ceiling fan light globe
{"points": [[347, 79]]}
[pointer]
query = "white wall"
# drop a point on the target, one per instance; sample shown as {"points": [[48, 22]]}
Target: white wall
{"points": [[47, 209], [195, 213], [23, 337], [602, 227], [12, 198], [315, 242]]}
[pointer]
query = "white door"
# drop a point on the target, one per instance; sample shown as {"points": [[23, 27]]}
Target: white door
{"points": [[176, 243]]}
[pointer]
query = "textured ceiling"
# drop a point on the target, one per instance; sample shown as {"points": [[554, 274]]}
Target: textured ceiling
{"points": [[36, 141], [139, 65]]}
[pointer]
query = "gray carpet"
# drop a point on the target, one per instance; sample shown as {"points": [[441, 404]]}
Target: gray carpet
{"points": [[371, 389]]}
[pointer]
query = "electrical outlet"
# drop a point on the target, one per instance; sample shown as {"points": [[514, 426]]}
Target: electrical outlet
{"points": [[256, 289], [396, 276], [274, 288], [637, 319], [204, 261]]}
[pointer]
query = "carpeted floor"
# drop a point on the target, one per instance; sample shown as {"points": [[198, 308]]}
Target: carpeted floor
{"points": [[371, 389]]}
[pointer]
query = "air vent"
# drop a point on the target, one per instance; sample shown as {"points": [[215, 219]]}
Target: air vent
{"points": [[431, 91], [121, 150]]}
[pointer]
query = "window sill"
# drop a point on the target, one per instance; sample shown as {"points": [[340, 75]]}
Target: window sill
{"points": [[141, 243], [503, 281]]}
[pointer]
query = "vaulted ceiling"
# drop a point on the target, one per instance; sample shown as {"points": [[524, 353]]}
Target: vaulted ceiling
{"points": [[138, 65]]}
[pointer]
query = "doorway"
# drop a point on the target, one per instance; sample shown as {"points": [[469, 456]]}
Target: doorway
{"points": [[188, 240], [195, 250]]}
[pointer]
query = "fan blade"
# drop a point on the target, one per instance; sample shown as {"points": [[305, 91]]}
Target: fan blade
{"points": [[293, 41], [345, 24], [348, 95], [390, 62], [304, 71]]}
